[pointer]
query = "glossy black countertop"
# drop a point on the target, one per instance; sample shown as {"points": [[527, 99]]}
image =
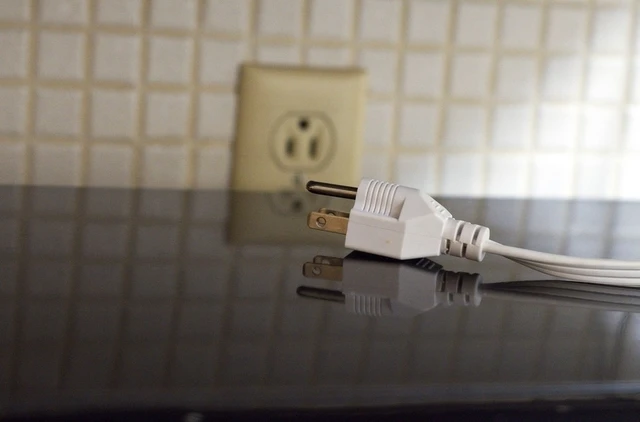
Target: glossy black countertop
{"points": [[135, 298]]}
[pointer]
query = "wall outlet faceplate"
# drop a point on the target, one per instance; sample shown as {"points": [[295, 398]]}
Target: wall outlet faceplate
{"points": [[296, 124]]}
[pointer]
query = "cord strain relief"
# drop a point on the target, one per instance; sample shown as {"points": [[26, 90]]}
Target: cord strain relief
{"points": [[365, 305], [459, 289], [464, 239]]}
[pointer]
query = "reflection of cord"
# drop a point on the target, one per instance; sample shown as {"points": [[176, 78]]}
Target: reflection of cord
{"points": [[375, 286], [401, 222]]}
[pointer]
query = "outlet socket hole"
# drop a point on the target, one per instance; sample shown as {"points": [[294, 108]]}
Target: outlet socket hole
{"points": [[303, 123], [291, 147], [313, 148]]}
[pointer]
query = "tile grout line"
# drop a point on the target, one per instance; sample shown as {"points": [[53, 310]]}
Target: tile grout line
{"points": [[141, 102], [87, 94], [445, 100], [631, 71], [194, 99], [496, 57], [536, 99], [305, 20], [32, 72], [585, 56], [398, 89]]}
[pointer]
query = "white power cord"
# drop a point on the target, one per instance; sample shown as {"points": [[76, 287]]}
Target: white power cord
{"points": [[403, 223]]}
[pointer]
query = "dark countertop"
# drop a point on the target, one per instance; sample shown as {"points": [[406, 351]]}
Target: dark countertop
{"points": [[167, 298]]}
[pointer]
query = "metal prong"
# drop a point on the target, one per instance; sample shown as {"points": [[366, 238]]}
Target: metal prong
{"points": [[329, 189], [323, 294], [328, 220], [324, 268]]}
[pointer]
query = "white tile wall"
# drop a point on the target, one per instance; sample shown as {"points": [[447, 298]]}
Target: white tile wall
{"points": [[141, 92]]}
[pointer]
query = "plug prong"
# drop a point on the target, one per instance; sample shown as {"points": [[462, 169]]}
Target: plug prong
{"points": [[329, 189], [328, 221]]}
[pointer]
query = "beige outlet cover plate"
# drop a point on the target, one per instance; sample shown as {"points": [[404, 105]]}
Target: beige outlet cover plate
{"points": [[297, 124]]}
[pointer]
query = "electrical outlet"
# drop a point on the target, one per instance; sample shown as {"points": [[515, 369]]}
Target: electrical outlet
{"points": [[296, 124]]}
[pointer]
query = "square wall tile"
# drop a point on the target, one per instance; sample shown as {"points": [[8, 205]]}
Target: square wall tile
{"points": [[511, 126], [111, 165], [119, 12], [552, 175], [213, 168], [331, 19], [380, 20], [632, 128], [332, 57], [227, 15], [601, 128], [461, 174], [419, 125], [417, 171], [220, 61], [279, 54], [595, 176], [567, 27], [436, 13], [561, 78], [507, 175], [113, 114], [164, 167], [14, 49], [382, 68], [557, 127], [178, 14], [167, 115], [465, 127], [170, 59], [476, 24], [61, 55], [14, 10], [116, 58], [628, 186], [423, 74], [610, 29], [516, 78], [375, 165], [216, 116], [521, 25], [606, 79], [56, 165], [280, 17], [378, 123], [12, 163], [13, 110], [58, 112], [64, 11], [470, 77]]}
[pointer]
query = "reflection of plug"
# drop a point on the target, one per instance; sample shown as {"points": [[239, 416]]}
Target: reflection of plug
{"points": [[378, 287]]}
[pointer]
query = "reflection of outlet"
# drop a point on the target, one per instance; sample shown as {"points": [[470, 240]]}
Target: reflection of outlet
{"points": [[296, 124]]}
